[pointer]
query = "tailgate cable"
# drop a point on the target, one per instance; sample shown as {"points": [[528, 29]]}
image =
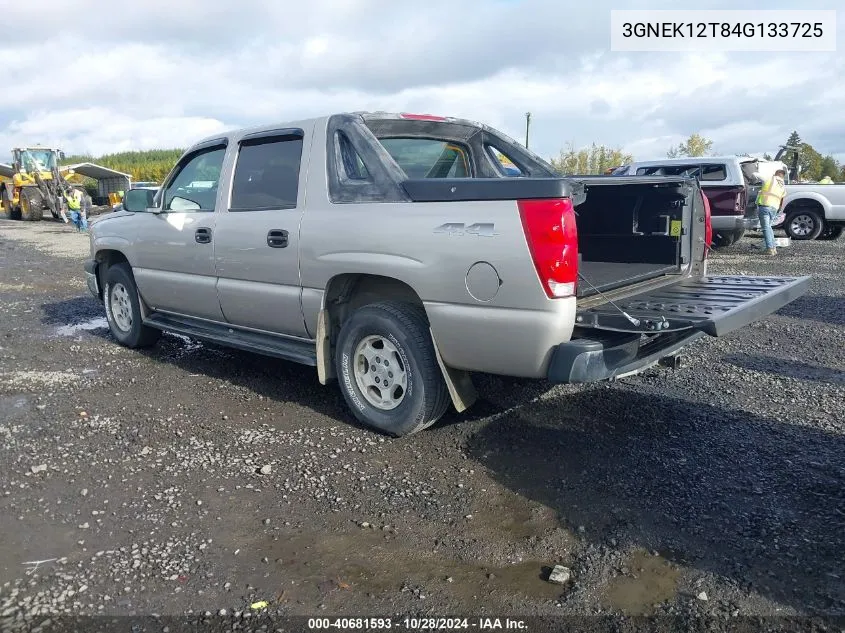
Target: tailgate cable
{"points": [[634, 322]]}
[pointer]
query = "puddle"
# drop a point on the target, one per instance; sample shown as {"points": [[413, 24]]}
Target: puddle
{"points": [[99, 323], [190, 344], [365, 563], [656, 581], [515, 516]]}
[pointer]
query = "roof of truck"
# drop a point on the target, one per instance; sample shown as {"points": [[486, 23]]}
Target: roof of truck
{"points": [[692, 159], [305, 123]]}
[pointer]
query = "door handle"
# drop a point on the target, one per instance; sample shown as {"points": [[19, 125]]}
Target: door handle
{"points": [[277, 238], [203, 235]]}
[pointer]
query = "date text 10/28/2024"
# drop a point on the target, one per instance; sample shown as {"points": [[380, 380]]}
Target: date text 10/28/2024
{"points": [[417, 624]]}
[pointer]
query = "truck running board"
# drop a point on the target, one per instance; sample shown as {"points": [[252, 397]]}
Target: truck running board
{"points": [[713, 305], [298, 351]]}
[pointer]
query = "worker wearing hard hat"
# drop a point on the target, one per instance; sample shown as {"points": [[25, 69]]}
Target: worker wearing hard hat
{"points": [[827, 180], [769, 204]]}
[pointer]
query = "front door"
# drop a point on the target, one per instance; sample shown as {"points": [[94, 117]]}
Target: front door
{"points": [[256, 250], [174, 266]]}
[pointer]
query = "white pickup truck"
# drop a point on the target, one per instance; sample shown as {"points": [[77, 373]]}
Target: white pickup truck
{"points": [[814, 211], [396, 255]]}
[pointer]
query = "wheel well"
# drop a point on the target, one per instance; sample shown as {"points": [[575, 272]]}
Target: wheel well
{"points": [[105, 260], [348, 292], [805, 203]]}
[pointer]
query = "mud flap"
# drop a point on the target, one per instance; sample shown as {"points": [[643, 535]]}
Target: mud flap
{"points": [[713, 305]]}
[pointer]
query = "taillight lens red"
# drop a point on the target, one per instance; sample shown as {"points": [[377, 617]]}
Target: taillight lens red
{"points": [[708, 225], [552, 237]]}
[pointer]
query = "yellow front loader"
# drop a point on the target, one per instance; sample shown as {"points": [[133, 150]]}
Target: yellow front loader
{"points": [[36, 184]]}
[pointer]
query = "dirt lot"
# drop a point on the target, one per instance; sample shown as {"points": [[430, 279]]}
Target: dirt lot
{"points": [[716, 489]]}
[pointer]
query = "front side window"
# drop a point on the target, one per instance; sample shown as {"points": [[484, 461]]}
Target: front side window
{"points": [[429, 158], [267, 174], [195, 185]]}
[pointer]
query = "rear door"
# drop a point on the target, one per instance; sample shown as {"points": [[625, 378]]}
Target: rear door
{"points": [[715, 305], [256, 250]]}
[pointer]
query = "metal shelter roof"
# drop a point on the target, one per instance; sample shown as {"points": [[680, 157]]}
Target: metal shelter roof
{"points": [[97, 172]]}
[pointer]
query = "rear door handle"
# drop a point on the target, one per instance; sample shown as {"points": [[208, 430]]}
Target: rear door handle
{"points": [[277, 238], [203, 235]]}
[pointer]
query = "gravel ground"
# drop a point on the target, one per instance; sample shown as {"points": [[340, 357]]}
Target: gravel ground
{"points": [[189, 479]]}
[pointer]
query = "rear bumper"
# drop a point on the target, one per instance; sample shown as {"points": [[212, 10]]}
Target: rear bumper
{"points": [[595, 359], [91, 277], [732, 223]]}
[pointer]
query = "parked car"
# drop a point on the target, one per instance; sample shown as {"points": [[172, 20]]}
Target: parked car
{"points": [[313, 245], [725, 182]]}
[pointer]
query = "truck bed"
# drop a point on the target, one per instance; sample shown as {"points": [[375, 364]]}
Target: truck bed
{"points": [[603, 276]]}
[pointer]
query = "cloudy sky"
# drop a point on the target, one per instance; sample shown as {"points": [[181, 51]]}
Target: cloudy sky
{"points": [[162, 73]]}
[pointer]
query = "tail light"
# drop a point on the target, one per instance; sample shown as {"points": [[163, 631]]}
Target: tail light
{"points": [[739, 205], [708, 225], [552, 238], [422, 117]]}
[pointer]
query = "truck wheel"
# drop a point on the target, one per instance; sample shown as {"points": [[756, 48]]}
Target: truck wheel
{"points": [[123, 310], [723, 240], [803, 223], [13, 212], [32, 205], [389, 373]]}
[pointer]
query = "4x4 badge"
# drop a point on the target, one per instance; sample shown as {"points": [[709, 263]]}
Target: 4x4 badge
{"points": [[483, 229]]}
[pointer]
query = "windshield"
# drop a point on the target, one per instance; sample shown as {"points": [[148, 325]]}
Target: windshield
{"points": [[38, 159]]}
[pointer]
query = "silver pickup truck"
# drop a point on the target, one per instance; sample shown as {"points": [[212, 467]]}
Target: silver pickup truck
{"points": [[400, 253]]}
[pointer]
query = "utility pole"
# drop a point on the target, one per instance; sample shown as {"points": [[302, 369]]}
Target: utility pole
{"points": [[527, 124]]}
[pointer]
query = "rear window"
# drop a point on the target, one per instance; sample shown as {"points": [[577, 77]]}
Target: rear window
{"points": [[429, 158], [708, 172]]}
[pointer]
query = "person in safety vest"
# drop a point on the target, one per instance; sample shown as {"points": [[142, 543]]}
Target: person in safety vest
{"points": [[77, 215], [827, 180], [769, 203]]}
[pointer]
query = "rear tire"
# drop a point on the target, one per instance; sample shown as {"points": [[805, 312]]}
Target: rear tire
{"points": [[803, 223], [723, 240], [831, 232], [123, 309], [388, 370], [32, 205]]}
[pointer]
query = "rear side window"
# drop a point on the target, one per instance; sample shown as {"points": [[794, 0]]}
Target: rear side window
{"points": [[429, 158], [505, 165], [267, 174], [353, 165]]}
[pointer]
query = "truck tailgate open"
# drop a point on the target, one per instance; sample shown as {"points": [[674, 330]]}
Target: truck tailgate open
{"points": [[713, 305]]}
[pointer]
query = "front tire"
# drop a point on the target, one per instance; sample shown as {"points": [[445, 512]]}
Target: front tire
{"points": [[388, 370], [803, 223], [32, 205], [123, 309]]}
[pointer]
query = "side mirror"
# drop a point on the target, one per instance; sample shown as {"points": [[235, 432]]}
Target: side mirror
{"points": [[61, 155], [137, 200]]}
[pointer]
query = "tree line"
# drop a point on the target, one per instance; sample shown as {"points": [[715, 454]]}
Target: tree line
{"points": [[154, 165]]}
